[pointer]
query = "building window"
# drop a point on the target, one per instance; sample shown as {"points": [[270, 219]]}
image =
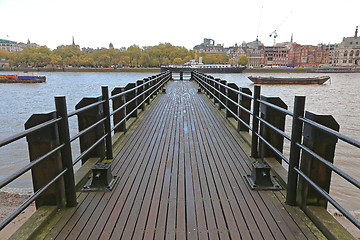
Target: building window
{"points": [[357, 53], [350, 61], [350, 43], [345, 53], [352, 53], [344, 61]]}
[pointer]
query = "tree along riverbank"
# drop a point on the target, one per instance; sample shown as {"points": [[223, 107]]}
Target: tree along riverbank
{"points": [[79, 69]]}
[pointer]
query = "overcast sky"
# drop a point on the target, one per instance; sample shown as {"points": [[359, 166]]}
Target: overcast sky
{"points": [[181, 23]]}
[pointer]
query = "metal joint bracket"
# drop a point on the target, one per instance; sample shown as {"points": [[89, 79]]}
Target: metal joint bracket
{"points": [[102, 179], [260, 178]]}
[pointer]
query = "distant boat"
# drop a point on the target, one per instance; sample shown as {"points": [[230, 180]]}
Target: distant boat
{"points": [[204, 68], [289, 80], [22, 78]]}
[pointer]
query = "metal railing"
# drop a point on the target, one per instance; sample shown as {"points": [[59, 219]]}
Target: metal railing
{"points": [[216, 87], [60, 124]]}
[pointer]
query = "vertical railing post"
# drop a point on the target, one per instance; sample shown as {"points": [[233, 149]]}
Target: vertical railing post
{"points": [[120, 115], [296, 133], [107, 125], [255, 122], [181, 75], [66, 156], [246, 103]]}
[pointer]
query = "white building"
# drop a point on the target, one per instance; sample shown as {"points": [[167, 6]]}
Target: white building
{"points": [[348, 52]]}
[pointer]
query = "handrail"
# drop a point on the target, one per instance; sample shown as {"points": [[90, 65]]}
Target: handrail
{"points": [[83, 109], [28, 131], [331, 132], [30, 200], [209, 88], [28, 166], [61, 125], [87, 129], [136, 87], [235, 115]]}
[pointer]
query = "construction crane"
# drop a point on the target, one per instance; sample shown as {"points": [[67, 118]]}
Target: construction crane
{"points": [[274, 33]]}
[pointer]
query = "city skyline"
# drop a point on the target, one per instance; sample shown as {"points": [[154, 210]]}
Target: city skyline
{"points": [[94, 24]]}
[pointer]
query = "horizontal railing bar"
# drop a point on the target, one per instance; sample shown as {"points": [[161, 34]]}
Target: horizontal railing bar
{"points": [[27, 167], [236, 116], [141, 85], [28, 131], [28, 201], [273, 106], [329, 198], [133, 99], [274, 128], [137, 107], [273, 148], [83, 109], [224, 95], [332, 132], [89, 149], [330, 165], [87, 129], [226, 86]]}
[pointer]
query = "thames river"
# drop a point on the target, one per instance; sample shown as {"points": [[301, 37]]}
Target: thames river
{"points": [[339, 97]]}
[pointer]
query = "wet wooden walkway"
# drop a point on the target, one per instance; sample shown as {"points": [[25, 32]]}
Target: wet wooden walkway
{"points": [[181, 174]]}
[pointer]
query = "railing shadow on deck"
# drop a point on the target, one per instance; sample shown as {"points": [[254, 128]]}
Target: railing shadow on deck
{"points": [[49, 140], [312, 143]]}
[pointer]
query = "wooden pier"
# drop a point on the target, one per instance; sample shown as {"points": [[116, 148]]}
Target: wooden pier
{"points": [[181, 171]]}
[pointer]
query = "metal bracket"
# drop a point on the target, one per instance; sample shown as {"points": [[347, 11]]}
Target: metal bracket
{"points": [[260, 178], [102, 179]]}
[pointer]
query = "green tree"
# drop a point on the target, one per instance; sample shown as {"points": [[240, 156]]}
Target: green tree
{"points": [[144, 60], [243, 60], [178, 61], [124, 61]]}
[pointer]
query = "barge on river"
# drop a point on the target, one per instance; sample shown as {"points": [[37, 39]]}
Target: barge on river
{"points": [[289, 80], [22, 78]]}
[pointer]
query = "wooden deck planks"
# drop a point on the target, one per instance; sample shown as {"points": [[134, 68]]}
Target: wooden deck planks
{"points": [[181, 176]]}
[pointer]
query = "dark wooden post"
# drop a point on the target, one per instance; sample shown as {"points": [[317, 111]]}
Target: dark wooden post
{"points": [[107, 125], [246, 103], [255, 122], [181, 75], [211, 82], [120, 115], [296, 133], [66, 156], [40, 143], [140, 94], [223, 90], [233, 96], [152, 84], [323, 145], [275, 118], [130, 96], [147, 86], [85, 120], [217, 95]]}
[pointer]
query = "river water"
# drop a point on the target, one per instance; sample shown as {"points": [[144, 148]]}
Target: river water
{"points": [[339, 98]]}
